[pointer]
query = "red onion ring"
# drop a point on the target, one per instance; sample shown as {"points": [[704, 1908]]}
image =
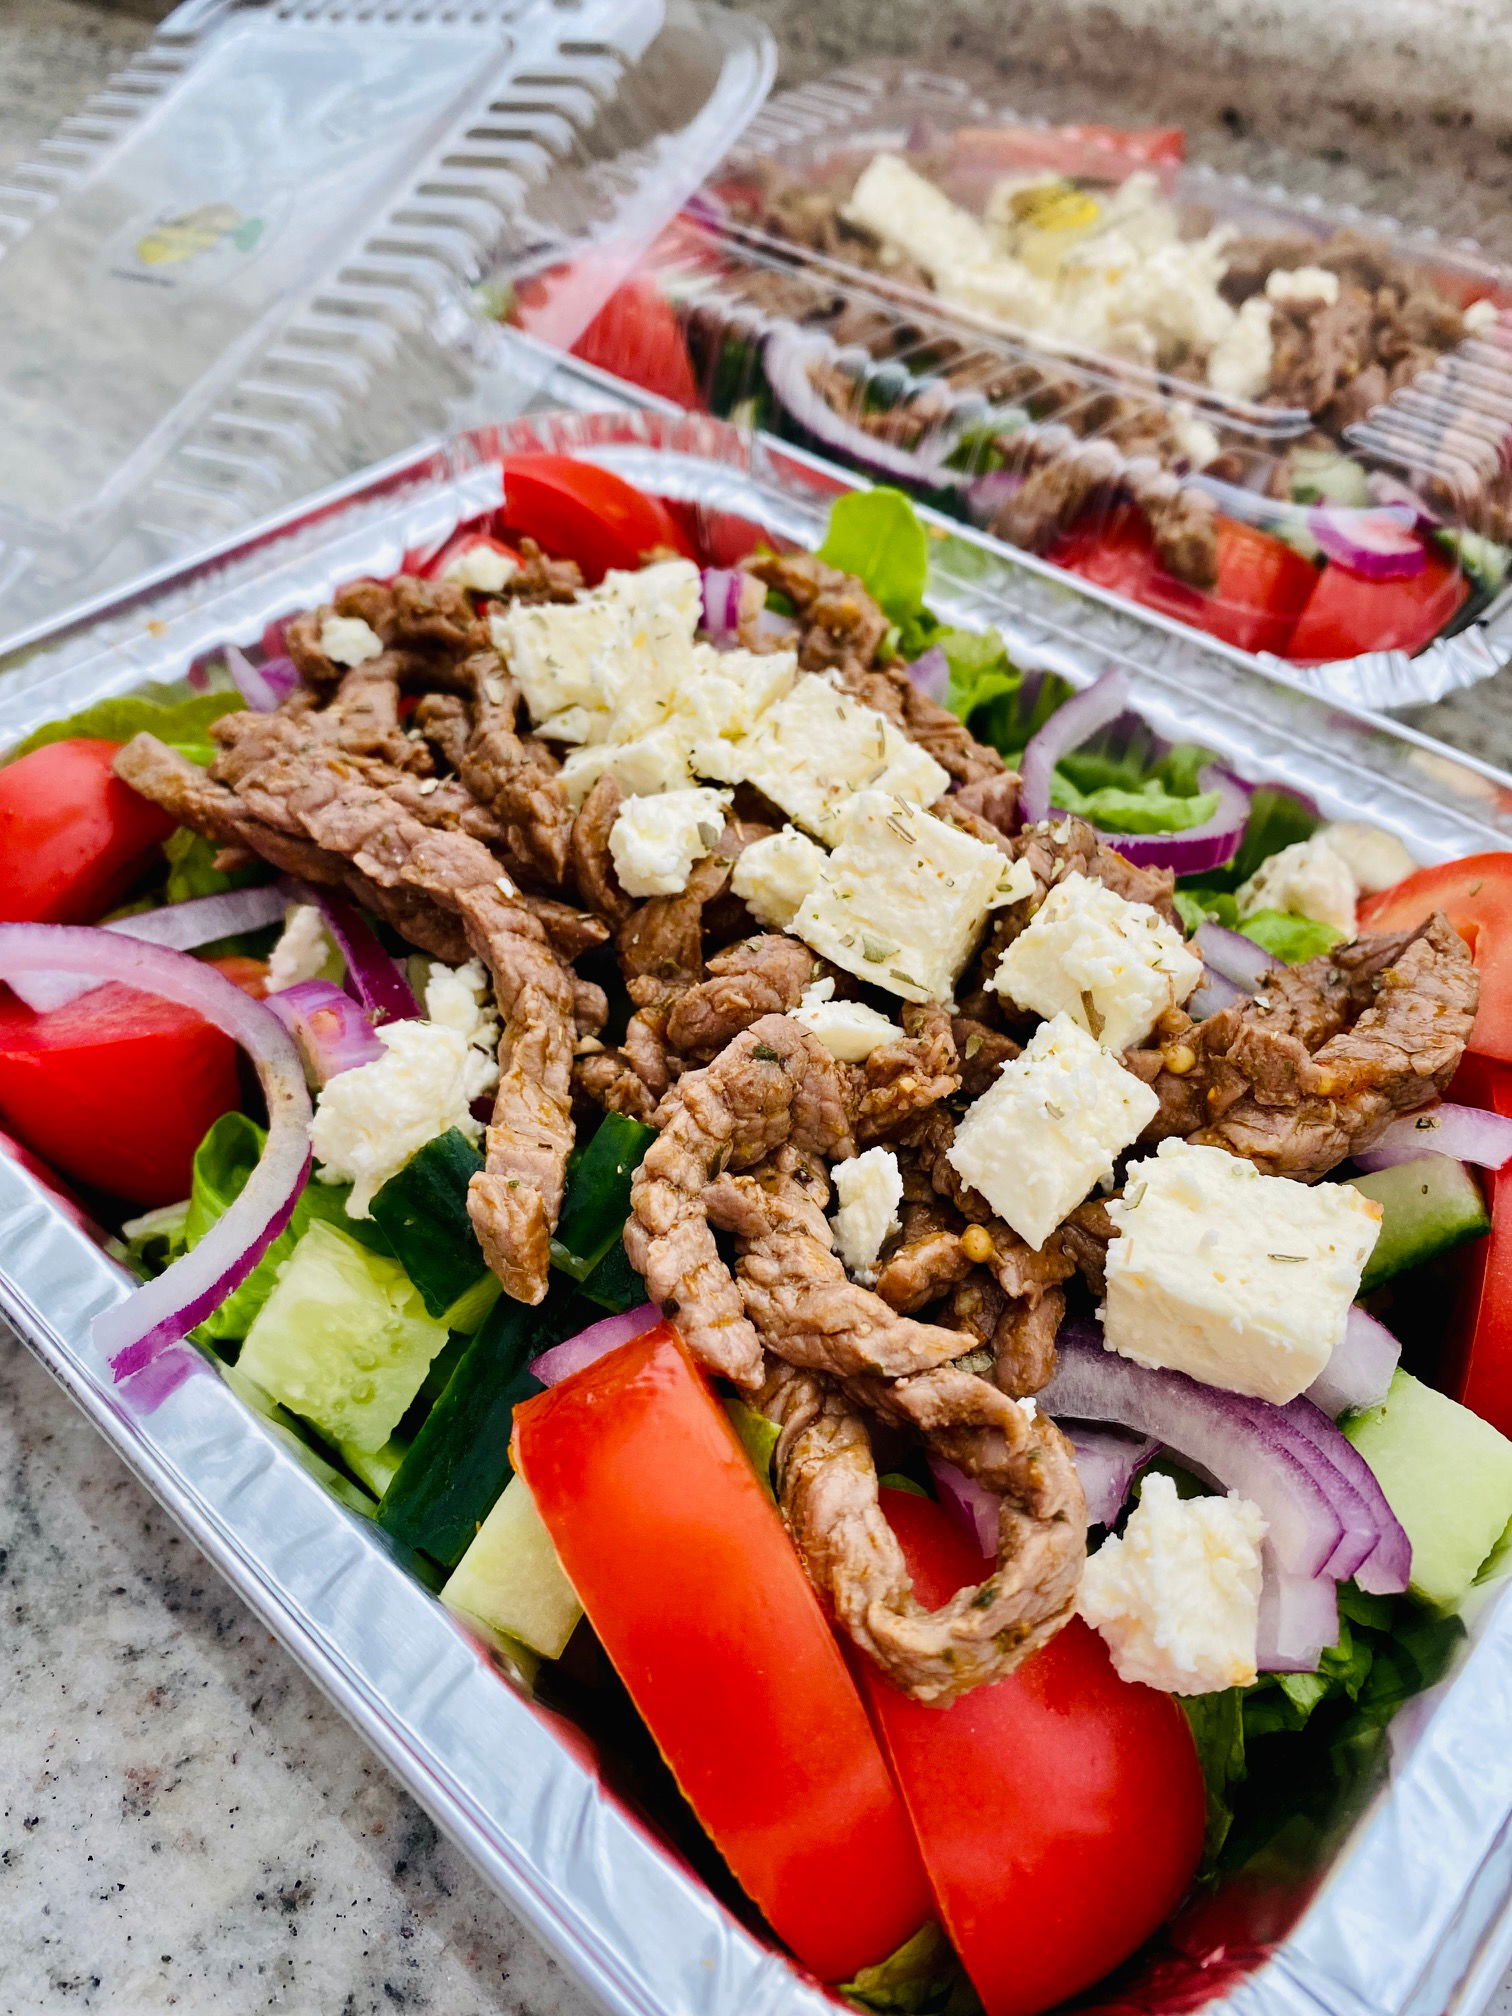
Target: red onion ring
{"points": [[1375, 544], [132, 1333], [576, 1354], [930, 675], [334, 1034], [1233, 957], [264, 686], [179, 926], [1464, 1132], [974, 1508], [788, 353], [1359, 1372], [373, 978], [721, 603], [1107, 1461]]}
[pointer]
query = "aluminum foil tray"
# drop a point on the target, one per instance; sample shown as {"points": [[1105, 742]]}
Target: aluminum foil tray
{"points": [[1411, 1917]]}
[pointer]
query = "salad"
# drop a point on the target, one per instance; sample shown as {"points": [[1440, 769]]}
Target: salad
{"points": [[854, 1212], [977, 318]]}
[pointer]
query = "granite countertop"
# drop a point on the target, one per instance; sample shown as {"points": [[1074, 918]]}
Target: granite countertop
{"points": [[186, 1824]]}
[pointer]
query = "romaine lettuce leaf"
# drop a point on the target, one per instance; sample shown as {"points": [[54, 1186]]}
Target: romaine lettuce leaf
{"points": [[923, 1978], [1147, 808], [1291, 939], [180, 720], [876, 535]]}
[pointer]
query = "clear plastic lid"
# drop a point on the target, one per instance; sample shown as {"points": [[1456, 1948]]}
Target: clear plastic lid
{"points": [[237, 275]]}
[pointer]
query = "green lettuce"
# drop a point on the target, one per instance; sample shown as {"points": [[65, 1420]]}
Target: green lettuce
{"points": [[192, 870], [1291, 939], [181, 721], [923, 1978], [876, 535], [1146, 808]]}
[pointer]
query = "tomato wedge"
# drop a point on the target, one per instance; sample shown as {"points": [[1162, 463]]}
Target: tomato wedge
{"points": [[635, 333], [1476, 896], [688, 1576], [1478, 1356], [1060, 1811], [577, 511], [73, 837], [116, 1089], [1348, 614]]}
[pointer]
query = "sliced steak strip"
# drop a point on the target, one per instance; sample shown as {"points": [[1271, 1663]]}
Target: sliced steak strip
{"points": [[827, 1487]]}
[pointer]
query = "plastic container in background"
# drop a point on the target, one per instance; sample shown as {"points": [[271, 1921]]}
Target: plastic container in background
{"points": [[1279, 529], [521, 1790], [238, 274]]}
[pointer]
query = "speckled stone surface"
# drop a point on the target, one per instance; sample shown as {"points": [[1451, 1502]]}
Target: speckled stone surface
{"points": [[184, 1824]]}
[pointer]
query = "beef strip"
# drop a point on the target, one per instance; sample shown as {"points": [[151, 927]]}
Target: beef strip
{"points": [[839, 622], [772, 1085], [765, 975], [827, 1487], [592, 863], [1324, 1057], [794, 1287], [513, 775], [907, 1076]]}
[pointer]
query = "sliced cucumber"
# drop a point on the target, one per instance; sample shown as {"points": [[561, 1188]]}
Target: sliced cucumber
{"points": [[1428, 1207], [1447, 1476], [510, 1583]]}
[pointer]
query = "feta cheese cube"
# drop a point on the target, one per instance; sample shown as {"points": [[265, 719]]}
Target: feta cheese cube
{"points": [[904, 209], [655, 841], [370, 1120], [772, 876], [1237, 1279], [869, 1188], [1300, 286], [1311, 878], [1239, 363], [849, 1030], [724, 700], [1111, 965], [303, 951], [553, 651], [347, 640], [645, 766], [650, 661], [816, 747], [1176, 1597], [482, 568], [574, 724], [902, 900], [1051, 1126], [1481, 315]]}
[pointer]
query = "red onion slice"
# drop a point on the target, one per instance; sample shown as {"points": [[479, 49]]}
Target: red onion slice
{"points": [[1299, 1621], [775, 628], [931, 675], [1375, 544], [264, 686], [974, 1508], [180, 926], [333, 1033], [1464, 1132], [372, 976], [1359, 1372], [162, 1311], [1095, 707], [1107, 1461], [721, 603], [1214, 994], [789, 354], [1385, 1567], [577, 1353], [1233, 957]]}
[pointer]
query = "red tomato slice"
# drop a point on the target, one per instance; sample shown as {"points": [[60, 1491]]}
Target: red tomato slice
{"points": [[73, 837], [1476, 896], [251, 975], [688, 1576], [1262, 588], [1070, 150], [635, 333], [1478, 1359], [1348, 614], [1060, 1811], [579, 512], [464, 542], [116, 1089]]}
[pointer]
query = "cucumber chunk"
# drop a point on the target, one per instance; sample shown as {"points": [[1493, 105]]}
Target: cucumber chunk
{"points": [[1447, 1476], [343, 1340], [510, 1585], [1428, 1207]]}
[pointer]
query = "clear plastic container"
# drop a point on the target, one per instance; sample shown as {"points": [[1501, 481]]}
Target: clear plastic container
{"points": [[238, 274]]}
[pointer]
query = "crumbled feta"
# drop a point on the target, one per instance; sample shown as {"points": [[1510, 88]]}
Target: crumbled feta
{"points": [[849, 1030], [1311, 878], [371, 1120], [1481, 315], [772, 876], [482, 568], [1239, 364], [1176, 1597], [902, 900], [1194, 437], [643, 767], [816, 747], [1376, 859], [572, 724], [1298, 286], [655, 841], [1051, 1126], [903, 209], [303, 951], [1237, 1279], [650, 662], [461, 998], [869, 1188], [553, 649], [724, 701], [347, 640], [1111, 965]]}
